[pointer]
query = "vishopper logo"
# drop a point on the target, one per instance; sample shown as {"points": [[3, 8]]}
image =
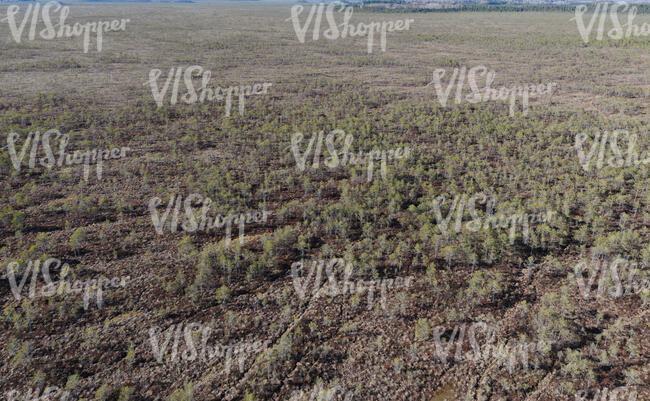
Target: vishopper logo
{"points": [[64, 30], [338, 266], [600, 14], [49, 393], [487, 93], [479, 222], [345, 156], [321, 392], [50, 160], [344, 29], [599, 146], [612, 281], [204, 92], [205, 222], [91, 288], [197, 334], [511, 354], [624, 393]]}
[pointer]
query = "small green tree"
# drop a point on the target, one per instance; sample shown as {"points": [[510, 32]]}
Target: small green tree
{"points": [[18, 221], [183, 394], [126, 394], [579, 367], [76, 239], [73, 383], [42, 242], [130, 354], [223, 294], [422, 329], [103, 392], [431, 274], [185, 247]]}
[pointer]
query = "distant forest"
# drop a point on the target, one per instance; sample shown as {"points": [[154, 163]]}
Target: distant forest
{"points": [[503, 6]]}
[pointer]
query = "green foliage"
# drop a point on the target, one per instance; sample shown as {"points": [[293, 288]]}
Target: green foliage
{"points": [[73, 383], [578, 367], [42, 242], [77, 239], [484, 285], [103, 392], [223, 294], [39, 378], [552, 326], [383, 226], [18, 221], [23, 317], [23, 356], [90, 338], [282, 242], [422, 329], [186, 247], [130, 354], [126, 394], [184, 394], [216, 261]]}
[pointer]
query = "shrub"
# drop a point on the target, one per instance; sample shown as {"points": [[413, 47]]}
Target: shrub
{"points": [[77, 238], [20, 320], [130, 354], [42, 242], [281, 243], [73, 383], [578, 367], [184, 394], [23, 355], [633, 377], [398, 365], [483, 286], [431, 274], [223, 294], [185, 247], [90, 338], [552, 327], [18, 221], [422, 329], [126, 394], [38, 380], [215, 257], [103, 392], [12, 347]]}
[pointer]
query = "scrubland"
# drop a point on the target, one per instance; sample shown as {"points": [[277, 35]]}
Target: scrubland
{"points": [[525, 287]]}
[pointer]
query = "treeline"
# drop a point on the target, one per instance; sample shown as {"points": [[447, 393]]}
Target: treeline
{"points": [[496, 7]]}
